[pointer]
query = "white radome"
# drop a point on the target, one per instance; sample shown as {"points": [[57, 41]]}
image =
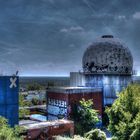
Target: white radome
{"points": [[107, 55]]}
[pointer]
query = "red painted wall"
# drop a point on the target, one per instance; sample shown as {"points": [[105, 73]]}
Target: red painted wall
{"points": [[74, 98]]}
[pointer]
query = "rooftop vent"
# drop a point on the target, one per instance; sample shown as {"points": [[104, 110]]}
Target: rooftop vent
{"points": [[107, 36]]}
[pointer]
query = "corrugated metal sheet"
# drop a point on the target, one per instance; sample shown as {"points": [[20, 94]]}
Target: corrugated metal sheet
{"points": [[9, 98], [77, 79], [111, 84]]}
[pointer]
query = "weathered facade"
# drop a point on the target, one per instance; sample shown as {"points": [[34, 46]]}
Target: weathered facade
{"points": [[61, 101], [107, 64], [42, 130], [107, 55]]}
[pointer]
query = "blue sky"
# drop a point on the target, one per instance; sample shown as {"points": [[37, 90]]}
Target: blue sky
{"points": [[49, 37]]}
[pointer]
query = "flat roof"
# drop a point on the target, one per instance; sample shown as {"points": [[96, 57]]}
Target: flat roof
{"points": [[46, 124], [70, 90], [25, 122], [34, 107]]}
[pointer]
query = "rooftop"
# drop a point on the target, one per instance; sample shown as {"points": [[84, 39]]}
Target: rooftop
{"points": [[70, 90], [46, 124]]}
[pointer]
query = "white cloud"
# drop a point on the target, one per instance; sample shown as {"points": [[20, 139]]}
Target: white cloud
{"points": [[121, 17], [136, 15], [72, 29], [76, 28], [64, 30]]}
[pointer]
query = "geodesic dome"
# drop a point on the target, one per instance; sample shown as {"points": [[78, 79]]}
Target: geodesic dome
{"points": [[107, 55]]}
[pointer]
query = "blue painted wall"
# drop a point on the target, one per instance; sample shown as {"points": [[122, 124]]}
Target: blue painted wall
{"points": [[9, 88]]}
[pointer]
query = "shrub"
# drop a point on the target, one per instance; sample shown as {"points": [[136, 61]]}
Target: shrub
{"points": [[114, 138], [35, 101], [95, 134], [8, 133]]}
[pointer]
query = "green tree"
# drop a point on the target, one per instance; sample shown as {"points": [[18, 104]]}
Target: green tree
{"points": [[34, 86], [35, 101], [86, 117], [136, 132], [124, 120], [8, 133], [50, 84], [23, 111]]}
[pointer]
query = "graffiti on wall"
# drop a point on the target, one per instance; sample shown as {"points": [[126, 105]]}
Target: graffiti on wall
{"points": [[57, 107]]}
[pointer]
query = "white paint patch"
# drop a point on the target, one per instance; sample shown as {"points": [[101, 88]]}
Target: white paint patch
{"points": [[13, 82]]}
